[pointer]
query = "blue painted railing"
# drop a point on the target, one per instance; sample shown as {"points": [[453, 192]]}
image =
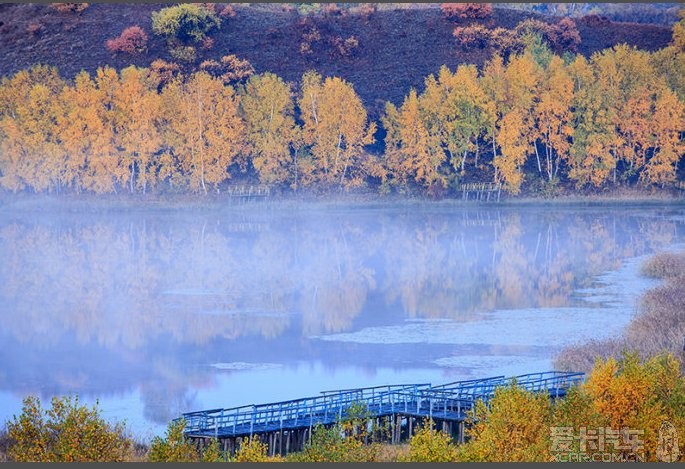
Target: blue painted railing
{"points": [[450, 401]]}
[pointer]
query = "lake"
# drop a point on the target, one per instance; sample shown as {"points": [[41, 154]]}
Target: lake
{"points": [[153, 313]]}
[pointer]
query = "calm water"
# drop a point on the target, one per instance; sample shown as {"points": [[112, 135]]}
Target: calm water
{"points": [[156, 313]]}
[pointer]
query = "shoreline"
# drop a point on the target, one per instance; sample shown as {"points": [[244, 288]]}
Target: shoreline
{"points": [[367, 200]]}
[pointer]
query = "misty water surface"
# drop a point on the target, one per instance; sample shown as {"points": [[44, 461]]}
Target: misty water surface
{"points": [[159, 312]]}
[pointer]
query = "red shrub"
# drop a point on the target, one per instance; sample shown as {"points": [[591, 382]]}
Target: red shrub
{"points": [[34, 29], [69, 7], [345, 47], [227, 12], [231, 69], [466, 10], [568, 36], [596, 20], [236, 69], [480, 37], [331, 9], [562, 36], [212, 67], [505, 40], [207, 43], [365, 10], [164, 71], [471, 37], [132, 40]]}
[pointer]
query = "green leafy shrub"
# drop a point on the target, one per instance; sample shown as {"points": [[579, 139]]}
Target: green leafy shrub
{"points": [[254, 450], [349, 440], [332, 445], [67, 432], [183, 53], [514, 426], [430, 445], [185, 23], [174, 447]]}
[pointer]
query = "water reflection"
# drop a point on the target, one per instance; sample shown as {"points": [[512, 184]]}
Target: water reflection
{"points": [[107, 304]]}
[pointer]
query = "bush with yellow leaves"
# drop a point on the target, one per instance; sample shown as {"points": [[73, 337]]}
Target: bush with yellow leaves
{"points": [[67, 432], [430, 445]]}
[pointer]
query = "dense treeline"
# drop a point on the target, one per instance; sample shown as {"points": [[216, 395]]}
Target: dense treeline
{"points": [[617, 117]]}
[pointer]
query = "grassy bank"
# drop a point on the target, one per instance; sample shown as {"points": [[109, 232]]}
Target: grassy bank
{"points": [[659, 325], [27, 202]]}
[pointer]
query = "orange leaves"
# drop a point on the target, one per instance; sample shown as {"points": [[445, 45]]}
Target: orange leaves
{"points": [[430, 445], [636, 395], [267, 107], [513, 143], [552, 113], [132, 40], [205, 132], [30, 152], [616, 118], [336, 128], [622, 396], [137, 121], [513, 427], [466, 10], [667, 123]]}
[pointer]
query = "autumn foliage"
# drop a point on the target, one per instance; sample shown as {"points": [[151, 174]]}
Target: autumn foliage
{"points": [[466, 10], [619, 395], [428, 444], [67, 432], [528, 115], [69, 7], [132, 40], [560, 37]]}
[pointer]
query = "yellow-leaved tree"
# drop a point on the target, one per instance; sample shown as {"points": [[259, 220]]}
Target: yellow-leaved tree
{"points": [[271, 134], [336, 128], [30, 152], [640, 396], [206, 134], [666, 124], [553, 115], [513, 427], [590, 159], [136, 113]]}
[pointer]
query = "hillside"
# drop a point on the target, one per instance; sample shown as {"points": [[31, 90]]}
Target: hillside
{"points": [[397, 48]]}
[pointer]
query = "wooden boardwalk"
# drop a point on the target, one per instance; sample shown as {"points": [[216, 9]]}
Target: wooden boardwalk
{"points": [[248, 191], [482, 191], [286, 426]]}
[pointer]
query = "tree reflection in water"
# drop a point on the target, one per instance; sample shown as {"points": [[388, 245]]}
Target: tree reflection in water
{"points": [[103, 304]]}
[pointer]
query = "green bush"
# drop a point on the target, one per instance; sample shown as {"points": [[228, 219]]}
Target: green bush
{"points": [[187, 22], [331, 445], [430, 445], [174, 447], [183, 53], [514, 426], [68, 432], [253, 450]]}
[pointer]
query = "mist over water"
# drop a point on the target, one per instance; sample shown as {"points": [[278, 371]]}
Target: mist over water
{"points": [[154, 313]]}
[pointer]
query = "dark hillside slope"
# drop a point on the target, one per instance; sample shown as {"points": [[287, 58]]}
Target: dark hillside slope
{"points": [[397, 48]]}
